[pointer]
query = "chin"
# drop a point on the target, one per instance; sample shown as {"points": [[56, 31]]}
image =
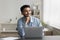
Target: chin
{"points": [[27, 15]]}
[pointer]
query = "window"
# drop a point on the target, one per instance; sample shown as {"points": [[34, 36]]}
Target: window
{"points": [[51, 12]]}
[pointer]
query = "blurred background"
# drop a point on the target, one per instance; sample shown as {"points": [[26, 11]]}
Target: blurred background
{"points": [[48, 11]]}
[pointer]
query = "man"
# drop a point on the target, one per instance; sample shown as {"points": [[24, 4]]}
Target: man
{"points": [[27, 20]]}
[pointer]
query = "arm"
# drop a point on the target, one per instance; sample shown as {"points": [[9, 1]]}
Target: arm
{"points": [[20, 28], [39, 23]]}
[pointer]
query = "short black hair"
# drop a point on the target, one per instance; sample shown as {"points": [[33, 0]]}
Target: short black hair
{"points": [[24, 6]]}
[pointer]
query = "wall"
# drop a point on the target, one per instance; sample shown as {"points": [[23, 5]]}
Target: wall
{"points": [[8, 10]]}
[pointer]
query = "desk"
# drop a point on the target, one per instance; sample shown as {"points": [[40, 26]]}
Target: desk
{"points": [[44, 38], [51, 38]]}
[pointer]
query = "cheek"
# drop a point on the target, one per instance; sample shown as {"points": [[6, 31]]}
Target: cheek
{"points": [[30, 12], [25, 13]]}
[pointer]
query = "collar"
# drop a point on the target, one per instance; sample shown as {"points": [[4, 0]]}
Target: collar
{"points": [[31, 19]]}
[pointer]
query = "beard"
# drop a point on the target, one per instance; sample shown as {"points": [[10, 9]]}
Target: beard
{"points": [[26, 15]]}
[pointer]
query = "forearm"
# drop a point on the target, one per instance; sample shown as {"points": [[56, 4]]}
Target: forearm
{"points": [[21, 31]]}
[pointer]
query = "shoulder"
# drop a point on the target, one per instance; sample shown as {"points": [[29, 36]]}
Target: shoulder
{"points": [[20, 19], [36, 19]]}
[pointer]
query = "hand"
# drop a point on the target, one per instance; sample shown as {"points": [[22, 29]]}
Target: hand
{"points": [[27, 20]]}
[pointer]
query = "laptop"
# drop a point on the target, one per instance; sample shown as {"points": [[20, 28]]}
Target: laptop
{"points": [[33, 32]]}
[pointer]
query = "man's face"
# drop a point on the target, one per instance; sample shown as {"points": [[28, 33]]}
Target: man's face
{"points": [[26, 12]]}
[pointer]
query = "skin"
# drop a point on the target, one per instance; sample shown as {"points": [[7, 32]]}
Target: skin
{"points": [[26, 13]]}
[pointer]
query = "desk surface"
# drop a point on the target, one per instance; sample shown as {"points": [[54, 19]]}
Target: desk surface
{"points": [[44, 38], [51, 38]]}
